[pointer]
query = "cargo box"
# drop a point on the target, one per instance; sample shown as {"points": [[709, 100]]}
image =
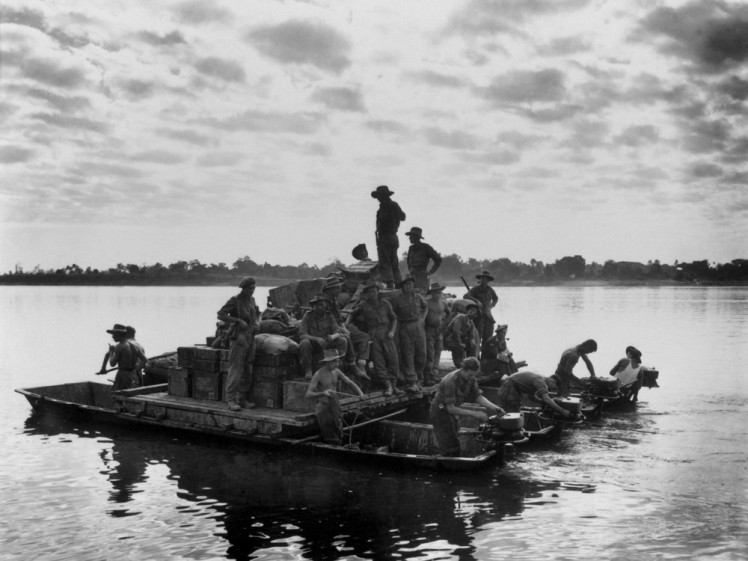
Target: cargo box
{"points": [[207, 353], [223, 366], [276, 372], [185, 356], [294, 396], [224, 354], [206, 385], [205, 365], [267, 393], [178, 380], [266, 359]]}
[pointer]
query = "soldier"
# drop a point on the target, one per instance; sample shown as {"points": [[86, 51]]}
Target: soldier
{"points": [[419, 255], [377, 318], [488, 300], [124, 356], [389, 217], [318, 331], [357, 340], [434, 324], [243, 317], [460, 336], [569, 359], [411, 309]]}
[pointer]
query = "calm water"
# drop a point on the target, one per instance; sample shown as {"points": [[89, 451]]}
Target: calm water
{"points": [[668, 480]]}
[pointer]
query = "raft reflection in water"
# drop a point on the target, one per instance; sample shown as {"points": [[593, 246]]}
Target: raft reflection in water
{"points": [[269, 501]]}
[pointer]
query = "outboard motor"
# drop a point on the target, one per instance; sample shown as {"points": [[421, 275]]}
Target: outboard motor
{"points": [[571, 404], [507, 429], [603, 386]]}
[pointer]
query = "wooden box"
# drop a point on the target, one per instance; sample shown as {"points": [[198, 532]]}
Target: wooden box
{"points": [[267, 393], [223, 366], [276, 372], [185, 356], [207, 353], [206, 385], [179, 382], [294, 396], [205, 365], [224, 354]]}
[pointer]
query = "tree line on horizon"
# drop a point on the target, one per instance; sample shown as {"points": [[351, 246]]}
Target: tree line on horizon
{"points": [[452, 269]]}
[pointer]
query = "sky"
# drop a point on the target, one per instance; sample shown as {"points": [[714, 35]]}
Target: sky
{"points": [[158, 131]]}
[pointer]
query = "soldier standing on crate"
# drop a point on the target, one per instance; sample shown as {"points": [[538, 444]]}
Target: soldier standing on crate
{"points": [[323, 387], [243, 317], [389, 217]]}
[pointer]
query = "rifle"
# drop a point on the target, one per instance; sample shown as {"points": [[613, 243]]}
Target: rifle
{"points": [[465, 283]]}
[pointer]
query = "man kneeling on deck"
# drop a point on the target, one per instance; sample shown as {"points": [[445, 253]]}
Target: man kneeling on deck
{"points": [[453, 390], [324, 387], [531, 384]]}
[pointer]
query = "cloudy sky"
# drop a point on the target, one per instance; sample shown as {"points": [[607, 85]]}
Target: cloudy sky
{"points": [[154, 131]]}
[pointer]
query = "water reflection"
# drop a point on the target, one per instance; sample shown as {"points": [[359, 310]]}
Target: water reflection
{"points": [[267, 500]]}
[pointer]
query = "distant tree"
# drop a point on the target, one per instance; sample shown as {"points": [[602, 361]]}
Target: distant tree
{"points": [[570, 267]]}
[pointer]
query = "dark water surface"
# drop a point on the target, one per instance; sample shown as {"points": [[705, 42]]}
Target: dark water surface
{"points": [[665, 480]]}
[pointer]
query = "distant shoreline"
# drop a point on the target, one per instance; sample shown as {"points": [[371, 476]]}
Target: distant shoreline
{"points": [[271, 282]]}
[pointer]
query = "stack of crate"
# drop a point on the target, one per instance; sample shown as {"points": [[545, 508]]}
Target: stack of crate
{"points": [[179, 379], [198, 374], [270, 371]]}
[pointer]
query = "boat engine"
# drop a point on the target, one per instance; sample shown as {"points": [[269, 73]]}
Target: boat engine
{"points": [[507, 429], [602, 386]]}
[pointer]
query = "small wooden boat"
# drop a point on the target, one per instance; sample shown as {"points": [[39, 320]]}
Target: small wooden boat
{"points": [[406, 445]]}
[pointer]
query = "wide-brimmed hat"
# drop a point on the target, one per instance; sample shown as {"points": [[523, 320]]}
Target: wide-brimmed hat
{"points": [[472, 305], [247, 281], [359, 252], [317, 298], [634, 351], [369, 285], [501, 327], [330, 355], [382, 191], [118, 328], [415, 231], [485, 274], [435, 287], [406, 278]]}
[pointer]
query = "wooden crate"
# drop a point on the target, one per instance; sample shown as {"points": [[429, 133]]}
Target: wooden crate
{"points": [[206, 385], [294, 396], [278, 359], [276, 372], [179, 382], [267, 393], [205, 365], [207, 353], [185, 356], [223, 366]]}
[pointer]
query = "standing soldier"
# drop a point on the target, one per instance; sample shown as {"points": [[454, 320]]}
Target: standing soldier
{"points": [[389, 217], [411, 309], [488, 299], [377, 317], [437, 311], [125, 357], [460, 335], [243, 315], [419, 255]]}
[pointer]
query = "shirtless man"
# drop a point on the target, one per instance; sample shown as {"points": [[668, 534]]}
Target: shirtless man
{"points": [[323, 387], [123, 355]]}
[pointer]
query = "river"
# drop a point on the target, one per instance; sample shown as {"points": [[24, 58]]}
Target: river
{"points": [[666, 480]]}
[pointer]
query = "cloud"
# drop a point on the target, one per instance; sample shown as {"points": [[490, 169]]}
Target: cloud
{"points": [[705, 171], [15, 154], [220, 159], [431, 78], [45, 71], [702, 32], [173, 38], [272, 122], [157, 157], [185, 135], [638, 135], [69, 122], [36, 20], [480, 18], [62, 103], [226, 70], [454, 140], [302, 42], [705, 136], [386, 126], [565, 46], [525, 86], [138, 88], [734, 87], [201, 11], [344, 99]]}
